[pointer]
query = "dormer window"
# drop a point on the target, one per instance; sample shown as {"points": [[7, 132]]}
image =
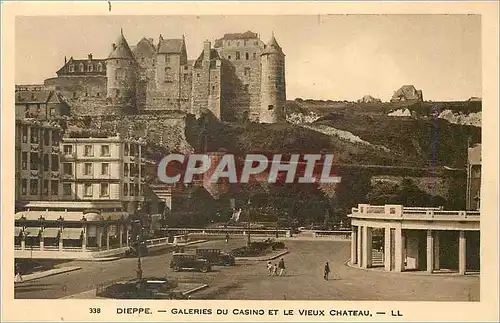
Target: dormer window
{"points": [[82, 67], [90, 67], [71, 68], [99, 67]]}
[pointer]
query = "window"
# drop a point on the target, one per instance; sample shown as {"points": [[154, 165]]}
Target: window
{"points": [[270, 107], [132, 150], [136, 189], [90, 68], [229, 57], [104, 169], [186, 77], [213, 89], [24, 186], [125, 169], [55, 138], [256, 42], [46, 137], [34, 135], [98, 94], [245, 87], [247, 56], [87, 189], [254, 56], [105, 150], [237, 55], [104, 189], [34, 161], [45, 189], [117, 92], [67, 169], [247, 71], [25, 133], [24, 160], [68, 150], [125, 189], [198, 75], [74, 95], [142, 170], [168, 75], [54, 188], [88, 151], [82, 67], [71, 68], [131, 191], [55, 163], [67, 189], [167, 59], [141, 189], [99, 67], [126, 148], [46, 162], [34, 187], [87, 169], [229, 43]]}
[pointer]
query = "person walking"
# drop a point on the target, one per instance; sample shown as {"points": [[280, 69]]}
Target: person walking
{"points": [[275, 270], [270, 268], [327, 271], [281, 267], [227, 237], [18, 278]]}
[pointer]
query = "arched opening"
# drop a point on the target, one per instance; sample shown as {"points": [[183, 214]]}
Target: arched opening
{"points": [[270, 107]]}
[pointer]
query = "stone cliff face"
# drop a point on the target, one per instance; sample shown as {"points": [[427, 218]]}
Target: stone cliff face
{"points": [[472, 119]]}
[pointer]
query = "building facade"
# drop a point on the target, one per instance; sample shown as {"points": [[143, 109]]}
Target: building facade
{"points": [[473, 195], [232, 80], [425, 239]]}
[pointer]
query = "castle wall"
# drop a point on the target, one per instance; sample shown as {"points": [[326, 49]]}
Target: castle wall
{"points": [[242, 73], [73, 87], [272, 88], [121, 90]]}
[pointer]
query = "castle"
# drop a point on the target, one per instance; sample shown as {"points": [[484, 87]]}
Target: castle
{"points": [[239, 78]]}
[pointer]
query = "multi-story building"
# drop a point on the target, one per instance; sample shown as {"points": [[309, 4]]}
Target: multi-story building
{"points": [[36, 102], [102, 169], [240, 78], [36, 160]]}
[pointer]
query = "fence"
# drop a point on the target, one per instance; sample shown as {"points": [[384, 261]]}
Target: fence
{"points": [[231, 231]]}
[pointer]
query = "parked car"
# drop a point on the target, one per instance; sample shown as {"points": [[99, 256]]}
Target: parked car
{"points": [[145, 288], [182, 261], [216, 257]]}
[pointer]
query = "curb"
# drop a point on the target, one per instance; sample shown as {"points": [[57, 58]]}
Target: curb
{"points": [[70, 269], [410, 273], [262, 258], [194, 290]]}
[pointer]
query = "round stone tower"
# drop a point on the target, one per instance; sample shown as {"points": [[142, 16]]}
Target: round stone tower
{"points": [[272, 90], [121, 71]]}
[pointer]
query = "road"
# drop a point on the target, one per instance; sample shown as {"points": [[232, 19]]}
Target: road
{"points": [[249, 280]]}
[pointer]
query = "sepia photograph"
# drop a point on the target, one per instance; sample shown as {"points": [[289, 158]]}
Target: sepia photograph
{"points": [[247, 157]]}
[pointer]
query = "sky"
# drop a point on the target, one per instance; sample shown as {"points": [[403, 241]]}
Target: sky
{"points": [[335, 57]]}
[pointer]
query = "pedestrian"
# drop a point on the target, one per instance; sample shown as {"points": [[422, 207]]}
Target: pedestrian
{"points": [[275, 270], [18, 278], [327, 271], [227, 237], [281, 267], [270, 268]]}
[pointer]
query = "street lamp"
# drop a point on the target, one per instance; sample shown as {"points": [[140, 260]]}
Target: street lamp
{"points": [[138, 239], [248, 224]]}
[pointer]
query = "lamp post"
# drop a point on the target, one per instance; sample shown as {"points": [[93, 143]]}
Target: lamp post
{"points": [[137, 243], [248, 224]]}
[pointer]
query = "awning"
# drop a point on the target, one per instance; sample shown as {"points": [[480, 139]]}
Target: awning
{"points": [[50, 232], [72, 233], [32, 231], [17, 231]]}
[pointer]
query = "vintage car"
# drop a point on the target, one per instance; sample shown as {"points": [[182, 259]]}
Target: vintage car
{"points": [[182, 261], [145, 288], [216, 257]]}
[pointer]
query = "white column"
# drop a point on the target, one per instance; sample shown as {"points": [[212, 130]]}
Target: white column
{"points": [[354, 241], [84, 239], [462, 262], [99, 236], [387, 249], [360, 245], [23, 242], [41, 241], [398, 250], [107, 238], [61, 241], [367, 247], [430, 251], [120, 234], [436, 250]]}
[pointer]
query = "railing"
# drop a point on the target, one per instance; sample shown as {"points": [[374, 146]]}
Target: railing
{"points": [[239, 231], [397, 211], [336, 234]]}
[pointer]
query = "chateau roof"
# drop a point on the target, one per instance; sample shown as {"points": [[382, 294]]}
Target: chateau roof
{"points": [[144, 46], [246, 35], [214, 56], [272, 46], [170, 46], [34, 97], [86, 62], [121, 49]]}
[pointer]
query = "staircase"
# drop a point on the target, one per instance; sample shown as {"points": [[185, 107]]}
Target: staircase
{"points": [[377, 258]]}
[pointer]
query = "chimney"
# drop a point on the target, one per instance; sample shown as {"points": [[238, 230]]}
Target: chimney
{"points": [[206, 50], [65, 60], [113, 46], [90, 56]]}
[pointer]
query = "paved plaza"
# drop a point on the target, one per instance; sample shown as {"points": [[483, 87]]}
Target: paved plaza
{"points": [[249, 279]]}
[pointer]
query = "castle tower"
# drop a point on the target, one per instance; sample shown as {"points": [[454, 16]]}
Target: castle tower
{"points": [[121, 71], [272, 91]]}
